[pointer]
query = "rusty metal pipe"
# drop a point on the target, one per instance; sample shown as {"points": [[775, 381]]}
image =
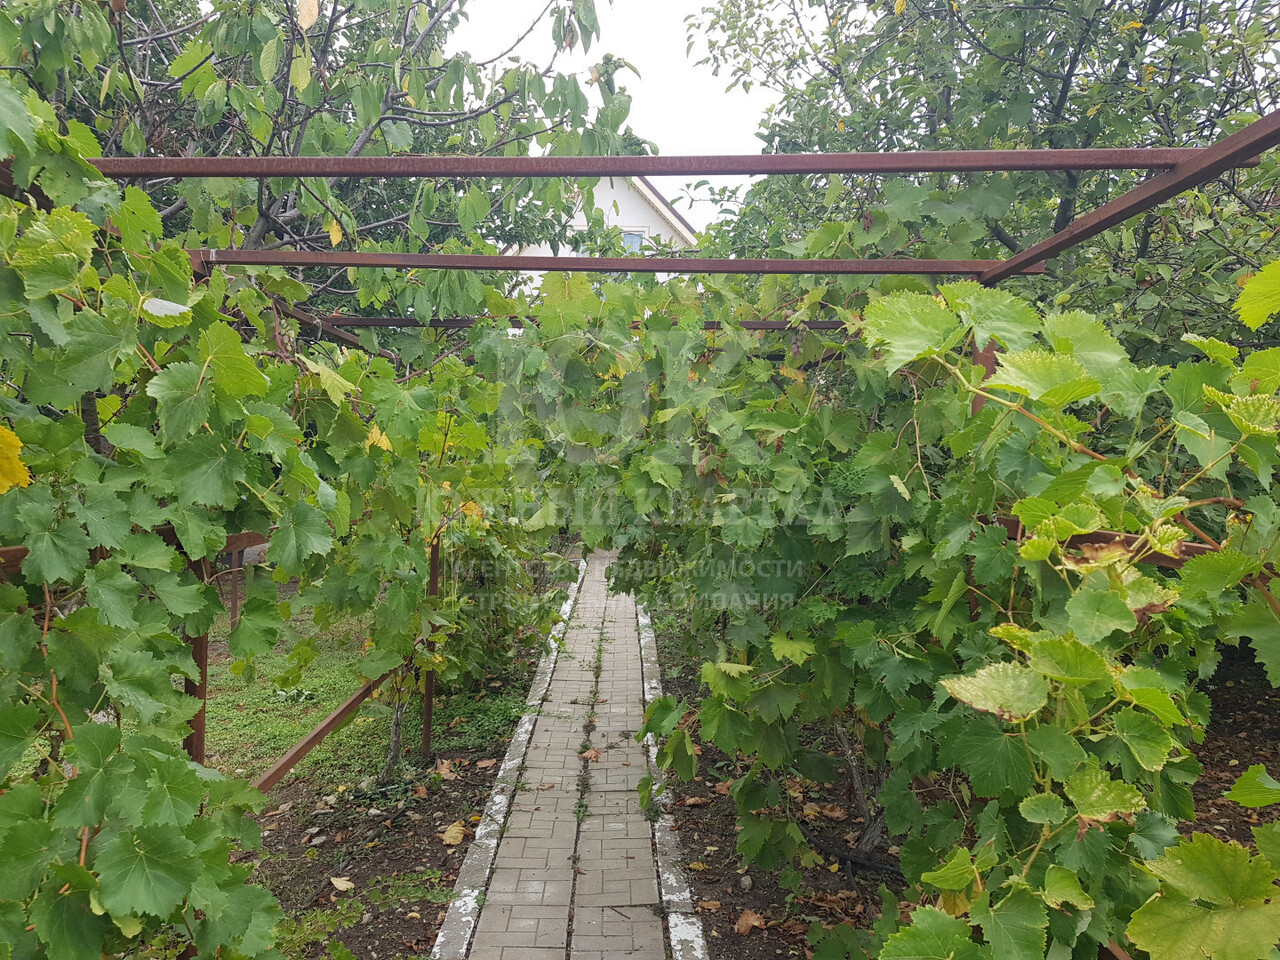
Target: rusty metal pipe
{"points": [[686, 265], [907, 161]]}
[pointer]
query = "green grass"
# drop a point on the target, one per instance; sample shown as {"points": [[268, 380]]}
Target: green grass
{"points": [[251, 723]]}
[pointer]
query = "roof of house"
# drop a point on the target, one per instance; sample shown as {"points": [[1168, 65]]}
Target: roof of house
{"points": [[651, 195]]}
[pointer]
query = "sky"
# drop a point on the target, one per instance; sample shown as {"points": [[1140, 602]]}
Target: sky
{"points": [[682, 108]]}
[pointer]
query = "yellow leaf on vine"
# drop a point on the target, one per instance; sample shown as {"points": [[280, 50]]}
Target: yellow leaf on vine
{"points": [[13, 472], [472, 509], [1133, 25], [377, 439], [335, 233], [900, 6]]}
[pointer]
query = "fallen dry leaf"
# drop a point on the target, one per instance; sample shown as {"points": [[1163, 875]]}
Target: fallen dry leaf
{"points": [[592, 754], [454, 834], [485, 764], [419, 790], [723, 787], [445, 769], [812, 809], [342, 883], [748, 920], [833, 812], [710, 906], [695, 801], [697, 866]]}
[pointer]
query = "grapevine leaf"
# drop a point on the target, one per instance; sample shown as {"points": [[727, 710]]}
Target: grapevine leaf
{"points": [[57, 553], [206, 469], [65, 921], [1267, 837], [1148, 739], [1043, 808], [113, 592], [19, 726], [1260, 371], [1259, 299], [933, 935], [146, 871], [1039, 375], [910, 325], [795, 646], [16, 126], [959, 871], [1096, 611], [1009, 690], [1089, 341], [1255, 788], [1097, 797], [1016, 926], [1212, 574], [993, 313], [13, 472], [994, 761], [182, 398], [1062, 886], [137, 220], [302, 533], [1215, 901], [233, 371], [1068, 660]]}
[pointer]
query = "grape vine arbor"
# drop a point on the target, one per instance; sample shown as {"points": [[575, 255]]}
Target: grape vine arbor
{"points": [[978, 608]]}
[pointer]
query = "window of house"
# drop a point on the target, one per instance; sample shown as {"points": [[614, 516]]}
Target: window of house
{"points": [[632, 239]]}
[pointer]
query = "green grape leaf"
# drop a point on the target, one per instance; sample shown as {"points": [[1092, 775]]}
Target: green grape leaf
{"points": [[1148, 739], [147, 871], [1259, 299], [1212, 574], [1096, 611], [993, 313], [960, 870], [1062, 886], [1068, 660], [1215, 901], [1267, 837], [910, 326], [993, 760], [113, 592], [1097, 797], [20, 724], [1043, 808], [16, 126], [206, 470], [67, 924], [1016, 927], [137, 220], [1051, 378], [795, 646], [233, 371], [1260, 372], [1009, 690], [1255, 788], [933, 935], [302, 532], [182, 398]]}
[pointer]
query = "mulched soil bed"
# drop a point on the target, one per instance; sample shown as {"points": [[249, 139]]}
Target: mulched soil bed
{"points": [[729, 898], [1245, 730], [372, 868]]}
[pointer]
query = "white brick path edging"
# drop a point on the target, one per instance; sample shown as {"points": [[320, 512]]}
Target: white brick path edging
{"points": [[473, 878], [684, 928]]}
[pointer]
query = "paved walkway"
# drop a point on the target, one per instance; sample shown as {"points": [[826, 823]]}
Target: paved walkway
{"points": [[574, 877]]}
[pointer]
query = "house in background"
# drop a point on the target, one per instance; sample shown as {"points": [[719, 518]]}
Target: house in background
{"points": [[639, 210]]}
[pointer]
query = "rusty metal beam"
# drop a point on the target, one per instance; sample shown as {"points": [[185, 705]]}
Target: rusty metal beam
{"points": [[1233, 151], [907, 161], [326, 727], [687, 265], [465, 323]]}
